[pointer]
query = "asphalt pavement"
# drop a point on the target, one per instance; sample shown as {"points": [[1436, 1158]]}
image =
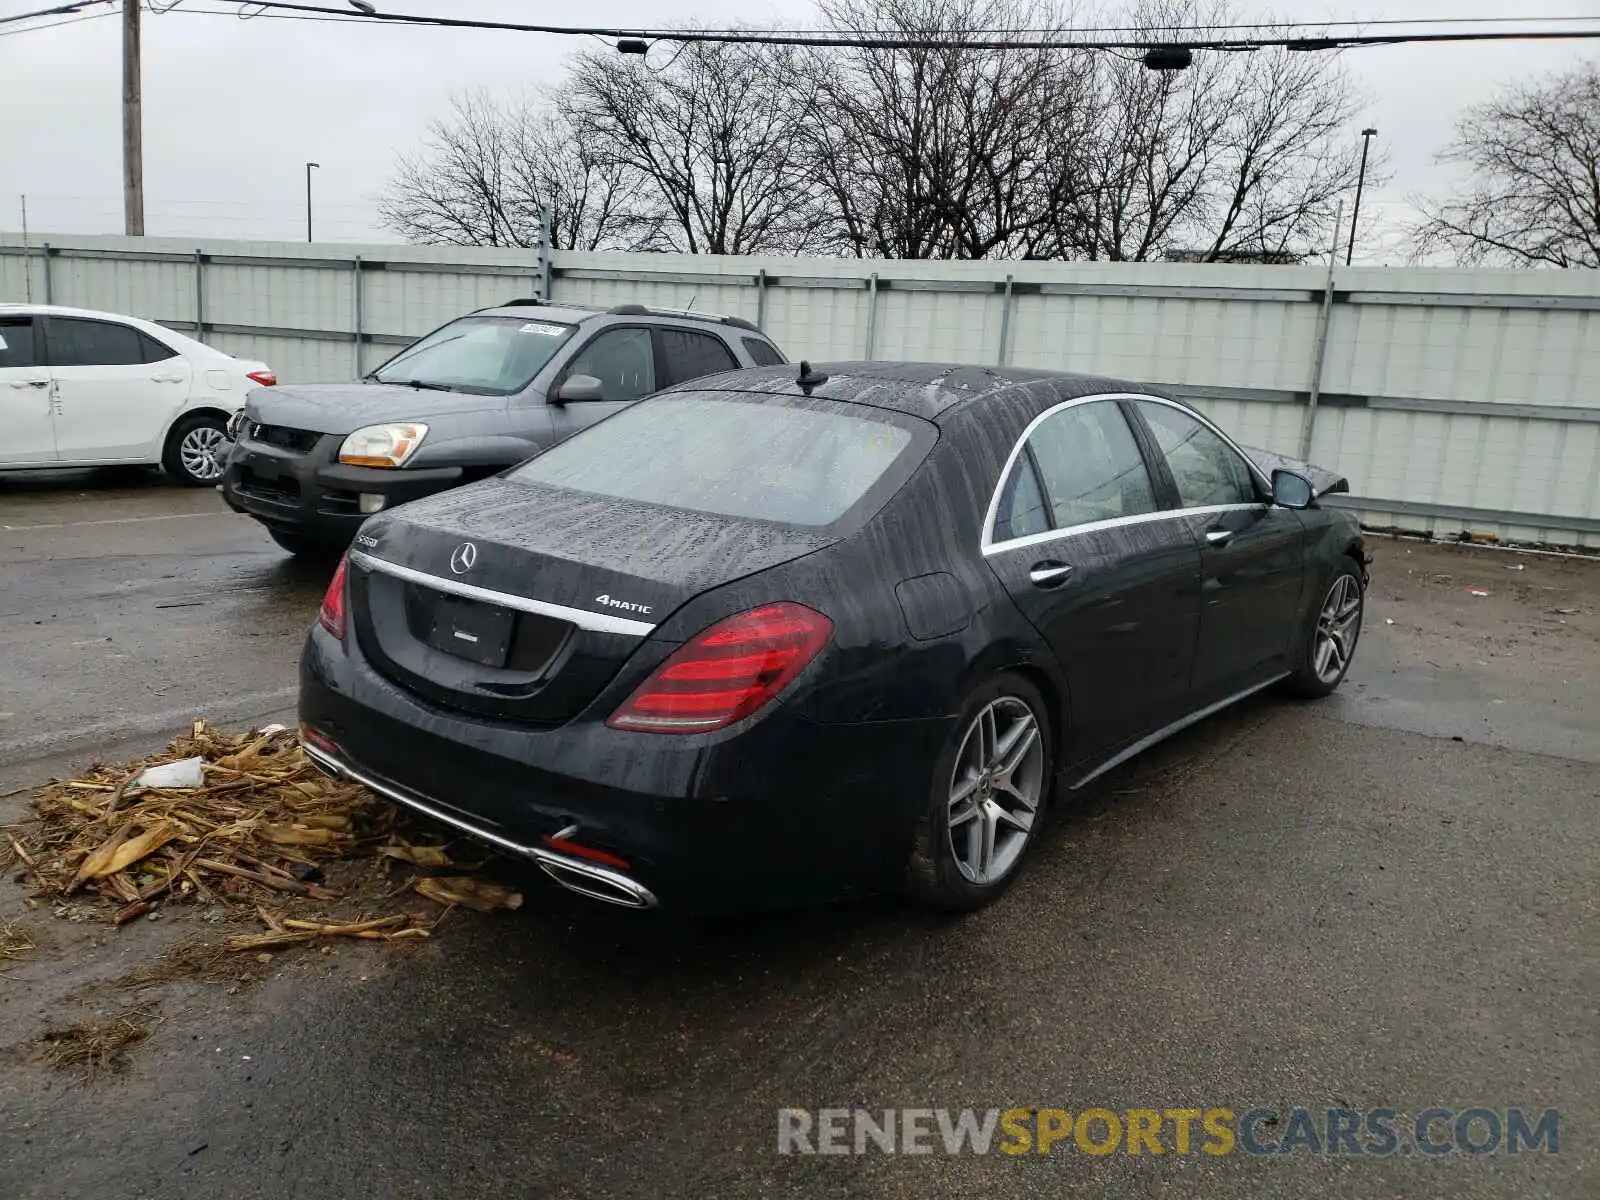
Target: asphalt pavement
{"points": [[1384, 900]]}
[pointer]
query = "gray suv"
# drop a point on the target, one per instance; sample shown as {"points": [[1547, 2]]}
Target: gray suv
{"points": [[312, 462]]}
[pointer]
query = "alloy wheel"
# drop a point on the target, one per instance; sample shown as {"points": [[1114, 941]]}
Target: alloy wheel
{"points": [[1338, 627], [995, 790], [198, 453]]}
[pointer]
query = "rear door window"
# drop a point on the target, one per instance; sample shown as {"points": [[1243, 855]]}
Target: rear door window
{"points": [[76, 342], [1090, 466], [155, 351], [763, 354], [623, 360], [16, 342], [690, 355], [1023, 510], [803, 464]]}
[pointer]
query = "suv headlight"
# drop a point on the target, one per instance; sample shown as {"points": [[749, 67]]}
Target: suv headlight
{"points": [[236, 424], [383, 445]]}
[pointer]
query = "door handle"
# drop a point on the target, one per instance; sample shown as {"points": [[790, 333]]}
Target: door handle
{"points": [[166, 379], [1219, 537], [22, 383], [1049, 574]]}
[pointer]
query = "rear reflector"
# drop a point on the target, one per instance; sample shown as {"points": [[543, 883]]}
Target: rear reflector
{"points": [[266, 378], [726, 672], [331, 617], [321, 741], [563, 846]]}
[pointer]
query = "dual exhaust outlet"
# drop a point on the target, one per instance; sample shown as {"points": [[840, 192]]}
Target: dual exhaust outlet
{"points": [[587, 879]]}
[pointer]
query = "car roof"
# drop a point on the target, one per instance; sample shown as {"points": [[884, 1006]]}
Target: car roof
{"points": [[63, 310], [536, 309], [153, 328], [933, 391]]}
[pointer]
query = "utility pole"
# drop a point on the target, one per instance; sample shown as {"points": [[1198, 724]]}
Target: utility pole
{"points": [[1361, 182], [27, 259], [309, 167], [132, 124]]}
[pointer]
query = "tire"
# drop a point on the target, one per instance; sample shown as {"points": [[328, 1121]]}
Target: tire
{"points": [[1330, 638], [948, 868], [302, 547], [190, 458]]}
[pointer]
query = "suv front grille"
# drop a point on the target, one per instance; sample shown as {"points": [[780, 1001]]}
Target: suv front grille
{"points": [[301, 441]]}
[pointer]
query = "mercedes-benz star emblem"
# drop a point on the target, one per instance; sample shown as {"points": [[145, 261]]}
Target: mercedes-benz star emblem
{"points": [[464, 557]]}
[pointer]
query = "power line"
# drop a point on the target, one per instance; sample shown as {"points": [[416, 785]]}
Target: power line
{"points": [[60, 10], [901, 42], [746, 33], [57, 24]]}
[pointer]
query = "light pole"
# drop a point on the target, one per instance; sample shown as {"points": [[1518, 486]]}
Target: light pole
{"points": [[310, 166], [1361, 181]]}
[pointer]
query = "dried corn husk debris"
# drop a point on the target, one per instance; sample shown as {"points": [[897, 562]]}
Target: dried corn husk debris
{"points": [[97, 1045], [476, 894], [13, 942], [262, 828]]}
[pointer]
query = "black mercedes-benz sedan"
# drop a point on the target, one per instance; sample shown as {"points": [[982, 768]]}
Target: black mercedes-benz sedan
{"points": [[772, 636]]}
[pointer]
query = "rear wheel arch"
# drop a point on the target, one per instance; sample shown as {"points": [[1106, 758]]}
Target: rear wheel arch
{"points": [[172, 449], [1046, 679], [201, 410]]}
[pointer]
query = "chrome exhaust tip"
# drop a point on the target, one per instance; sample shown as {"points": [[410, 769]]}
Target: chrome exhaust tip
{"points": [[607, 886], [325, 767]]}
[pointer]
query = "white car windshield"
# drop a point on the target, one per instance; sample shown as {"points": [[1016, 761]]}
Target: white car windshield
{"points": [[490, 355]]}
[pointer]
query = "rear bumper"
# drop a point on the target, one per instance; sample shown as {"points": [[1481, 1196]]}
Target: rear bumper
{"points": [[315, 498], [586, 878], [774, 813]]}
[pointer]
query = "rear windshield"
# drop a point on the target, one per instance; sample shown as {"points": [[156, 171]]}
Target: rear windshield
{"points": [[729, 455], [487, 355]]}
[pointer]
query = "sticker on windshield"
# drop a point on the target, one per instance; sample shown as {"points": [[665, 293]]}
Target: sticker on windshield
{"points": [[3, 345], [544, 328]]}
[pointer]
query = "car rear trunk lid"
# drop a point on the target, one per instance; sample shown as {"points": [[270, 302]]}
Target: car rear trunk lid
{"points": [[522, 601]]}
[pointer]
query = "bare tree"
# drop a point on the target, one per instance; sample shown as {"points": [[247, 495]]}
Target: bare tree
{"points": [[940, 152], [1533, 195], [932, 150], [711, 136], [1239, 155], [487, 173]]}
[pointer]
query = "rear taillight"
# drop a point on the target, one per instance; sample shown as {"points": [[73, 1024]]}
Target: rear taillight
{"points": [[264, 378], [331, 617], [726, 672]]}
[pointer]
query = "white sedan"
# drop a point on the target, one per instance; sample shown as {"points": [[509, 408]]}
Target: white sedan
{"points": [[89, 389]]}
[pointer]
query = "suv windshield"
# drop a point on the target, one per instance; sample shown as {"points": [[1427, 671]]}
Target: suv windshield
{"points": [[490, 355], [793, 462]]}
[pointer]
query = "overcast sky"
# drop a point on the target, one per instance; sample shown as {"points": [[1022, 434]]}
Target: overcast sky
{"points": [[233, 109]]}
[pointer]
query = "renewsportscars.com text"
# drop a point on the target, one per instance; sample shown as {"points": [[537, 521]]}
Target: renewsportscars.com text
{"points": [[1261, 1131]]}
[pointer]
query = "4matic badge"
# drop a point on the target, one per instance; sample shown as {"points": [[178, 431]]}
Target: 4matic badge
{"points": [[625, 605]]}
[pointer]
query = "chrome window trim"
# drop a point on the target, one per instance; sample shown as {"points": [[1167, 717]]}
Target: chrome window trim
{"points": [[987, 545], [1165, 514], [595, 622]]}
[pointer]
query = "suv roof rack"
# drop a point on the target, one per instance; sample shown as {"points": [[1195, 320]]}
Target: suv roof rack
{"points": [[642, 310]]}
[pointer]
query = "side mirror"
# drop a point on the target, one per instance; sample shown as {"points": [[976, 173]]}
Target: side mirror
{"points": [[1291, 489], [580, 387]]}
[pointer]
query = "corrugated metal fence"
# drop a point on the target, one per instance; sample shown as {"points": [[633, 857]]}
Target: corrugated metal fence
{"points": [[1453, 399]]}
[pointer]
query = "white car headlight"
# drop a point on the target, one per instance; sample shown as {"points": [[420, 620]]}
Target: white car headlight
{"points": [[383, 445]]}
